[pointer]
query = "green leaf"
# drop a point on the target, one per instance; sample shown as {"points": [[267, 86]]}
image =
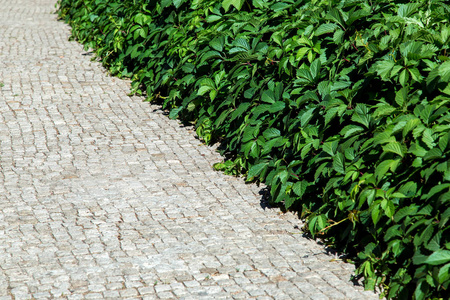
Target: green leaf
{"points": [[404, 77], [428, 138], [339, 163], [177, 3], [288, 201], [236, 3], [271, 133], [255, 170], [406, 10], [240, 110], [210, 54], [334, 15], [217, 43], [401, 97], [421, 290], [330, 147], [438, 258], [299, 187], [426, 113], [415, 74], [350, 130], [384, 69], [268, 96], [384, 166], [212, 94], [305, 74], [444, 274], [435, 243], [218, 78], [394, 147], [410, 125], [376, 214], [278, 6], [392, 232], [174, 112], [165, 3], [389, 210], [203, 90], [434, 154], [405, 211], [188, 68], [242, 43], [444, 71], [212, 19], [307, 116], [277, 106], [361, 115], [424, 236], [384, 110], [325, 28], [419, 258], [315, 68], [443, 142], [301, 52]]}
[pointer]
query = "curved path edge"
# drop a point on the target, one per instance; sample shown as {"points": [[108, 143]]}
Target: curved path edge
{"points": [[102, 196]]}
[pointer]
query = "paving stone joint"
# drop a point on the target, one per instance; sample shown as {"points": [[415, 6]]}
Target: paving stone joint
{"points": [[103, 197]]}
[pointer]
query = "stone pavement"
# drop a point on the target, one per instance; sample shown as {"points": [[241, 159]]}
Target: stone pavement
{"points": [[102, 196]]}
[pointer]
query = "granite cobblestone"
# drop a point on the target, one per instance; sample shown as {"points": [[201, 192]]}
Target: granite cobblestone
{"points": [[103, 197]]}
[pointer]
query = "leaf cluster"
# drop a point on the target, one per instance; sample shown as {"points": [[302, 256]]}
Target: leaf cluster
{"points": [[340, 107]]}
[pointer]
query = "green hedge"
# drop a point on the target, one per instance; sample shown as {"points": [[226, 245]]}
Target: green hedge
{"points": [[340, 107]]}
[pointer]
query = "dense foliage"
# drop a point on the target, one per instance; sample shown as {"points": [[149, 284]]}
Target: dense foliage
{"points": [[340, 107]]}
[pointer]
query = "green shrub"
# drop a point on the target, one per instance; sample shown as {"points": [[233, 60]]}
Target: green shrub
{"points": [[340, 107]]}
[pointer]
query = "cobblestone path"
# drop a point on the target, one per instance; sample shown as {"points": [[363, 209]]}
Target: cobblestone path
{"points": [[102, 196]]}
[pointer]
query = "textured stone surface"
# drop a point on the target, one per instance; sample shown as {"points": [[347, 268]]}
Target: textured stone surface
{"points": [[102, 196]]}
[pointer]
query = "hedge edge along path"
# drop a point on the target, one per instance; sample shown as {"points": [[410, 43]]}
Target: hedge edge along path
{"points": [[340, 107]]}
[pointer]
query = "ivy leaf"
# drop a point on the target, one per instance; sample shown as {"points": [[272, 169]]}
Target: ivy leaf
{"points": [[277, 106], [203, 90], [405, 10], [307, 116], [376, 214], [438, 258], [394, 147], [174, 112], [212, 19], [177, 3], [405, 211], [210, 54], [268, 96], [350, 130], [255, 170], [299, 187], [271, 133], [361, 115], [330, 147], [217, 43], [339, 163], [240, 110], [384, 69], [434, 154], [236, 3], [302, 52], [404, 77], [334, 15], [325, 28], [444, 71], [384, 166], [384, 110], [315, 69], [444, 274], [401, 97]]}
